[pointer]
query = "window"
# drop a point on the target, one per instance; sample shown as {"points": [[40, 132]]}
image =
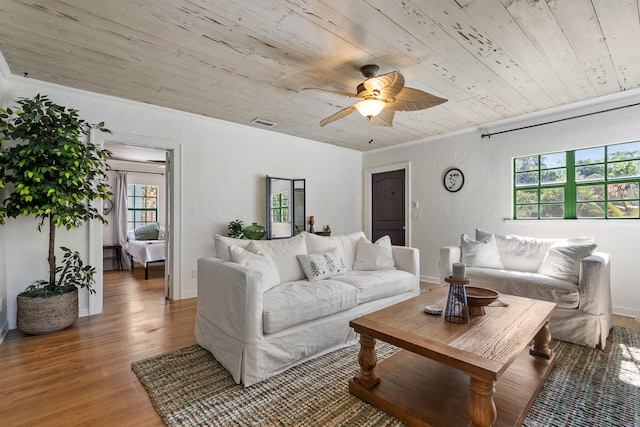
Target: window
{"points": [[598, 182], [280, 207], [142, 205]]}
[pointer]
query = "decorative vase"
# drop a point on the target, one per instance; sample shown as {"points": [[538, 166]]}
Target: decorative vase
{"points": [[44, 315], [254, 231]]}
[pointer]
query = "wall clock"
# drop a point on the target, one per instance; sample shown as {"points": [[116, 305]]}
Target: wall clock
{"points": [[453, 180]]}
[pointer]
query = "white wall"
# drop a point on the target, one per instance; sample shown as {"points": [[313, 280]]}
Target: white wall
{"points": [[486, 198], [223, 178]]}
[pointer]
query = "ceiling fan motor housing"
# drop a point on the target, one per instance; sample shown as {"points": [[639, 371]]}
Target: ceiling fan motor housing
{"points": [[369, 70]]}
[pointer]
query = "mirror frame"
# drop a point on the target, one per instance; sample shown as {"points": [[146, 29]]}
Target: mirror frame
{"points": [[294, 206]]}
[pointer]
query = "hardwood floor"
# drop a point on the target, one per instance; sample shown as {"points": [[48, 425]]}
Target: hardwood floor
{"points": [[83, 376]]}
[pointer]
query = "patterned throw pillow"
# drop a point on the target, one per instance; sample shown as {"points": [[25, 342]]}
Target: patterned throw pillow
{"points": [[321, 266]]}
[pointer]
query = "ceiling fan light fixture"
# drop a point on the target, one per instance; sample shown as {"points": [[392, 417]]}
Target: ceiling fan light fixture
{"points": [[370, 107]]}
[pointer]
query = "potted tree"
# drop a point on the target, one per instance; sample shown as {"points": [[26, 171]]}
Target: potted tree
{"points": [[51, 173]]}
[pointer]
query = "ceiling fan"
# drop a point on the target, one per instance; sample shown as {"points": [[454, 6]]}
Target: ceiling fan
{"points": [[381, 97]]}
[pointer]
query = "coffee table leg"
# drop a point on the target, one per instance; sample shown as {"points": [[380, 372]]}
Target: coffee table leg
{"points": [[480, 406], [540, 347], [367, 360]]}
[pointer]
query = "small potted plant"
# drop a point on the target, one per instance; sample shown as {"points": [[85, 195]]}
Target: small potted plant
{"points": [[51, 173]]}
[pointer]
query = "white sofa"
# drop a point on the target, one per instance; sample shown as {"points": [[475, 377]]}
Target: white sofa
{"points": [[258, 323], [568, 272]]}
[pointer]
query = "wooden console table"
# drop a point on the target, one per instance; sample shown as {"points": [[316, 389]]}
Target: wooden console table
{"points": [[118, 252]]}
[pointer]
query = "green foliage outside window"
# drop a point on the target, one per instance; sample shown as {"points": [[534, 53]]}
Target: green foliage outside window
{"points": [[598, 182], [142, 205], [280, 207]]}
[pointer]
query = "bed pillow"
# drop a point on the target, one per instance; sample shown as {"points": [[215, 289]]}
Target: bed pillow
{"points": [[147, 232], [222, 245], [322, 266], [162, 233], [563, 262], [284, 253], [374, 256], [480, 253], [263, 264]]}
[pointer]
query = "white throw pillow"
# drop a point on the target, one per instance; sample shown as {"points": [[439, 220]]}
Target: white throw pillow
{"points": [[284, 253], [223, 243], [374, 256], [480, 253], [345, 244], [322, 266], [264, 264], [563, 262], [522, 253]]}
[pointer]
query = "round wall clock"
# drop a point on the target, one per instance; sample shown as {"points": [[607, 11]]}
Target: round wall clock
{"points": [[453, 180]]}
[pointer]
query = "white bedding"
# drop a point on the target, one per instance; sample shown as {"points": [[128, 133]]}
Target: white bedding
{"points": [[145, 251]]}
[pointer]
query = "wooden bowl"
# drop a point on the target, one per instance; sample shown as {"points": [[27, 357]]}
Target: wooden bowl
{"points": [[477, 298]]}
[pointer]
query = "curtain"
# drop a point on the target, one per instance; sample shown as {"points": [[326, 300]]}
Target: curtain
{"points": [[120, 207]]}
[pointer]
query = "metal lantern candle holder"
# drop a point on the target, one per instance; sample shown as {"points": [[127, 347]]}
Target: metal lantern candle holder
{"points": [[457, 309]]}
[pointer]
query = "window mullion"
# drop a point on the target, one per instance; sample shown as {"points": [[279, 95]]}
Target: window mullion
{"points": [[570, 190]]}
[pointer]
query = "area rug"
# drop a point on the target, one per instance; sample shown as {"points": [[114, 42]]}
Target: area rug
{"points": [[188, 387]]}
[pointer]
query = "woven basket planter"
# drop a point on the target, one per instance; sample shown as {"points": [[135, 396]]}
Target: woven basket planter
{"points": [[43, 315]]}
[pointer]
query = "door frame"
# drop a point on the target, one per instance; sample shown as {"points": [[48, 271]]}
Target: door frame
{"points": [[173, 261], [407, 195]]}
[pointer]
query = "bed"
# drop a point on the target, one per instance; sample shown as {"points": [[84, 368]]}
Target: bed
{"points": [[145, 252]]}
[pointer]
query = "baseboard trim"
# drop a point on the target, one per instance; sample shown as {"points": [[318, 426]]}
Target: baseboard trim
{"points": [[430, 279], [626, 311]]}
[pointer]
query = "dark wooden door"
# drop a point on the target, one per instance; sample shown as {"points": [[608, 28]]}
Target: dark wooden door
{"points": [[387, 206]]}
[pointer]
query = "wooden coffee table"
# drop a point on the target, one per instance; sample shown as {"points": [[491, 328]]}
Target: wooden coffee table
{"points": [[480, 373]]}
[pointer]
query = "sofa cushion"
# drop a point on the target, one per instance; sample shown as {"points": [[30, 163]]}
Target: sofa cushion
{"points": [[322, 266], [284, 253], [222, 245], [563, 262], [374, 285], [480, 253], [374, 256], [525, 284], [264, 264], [293, 303], [345, 244], [526, 253]]}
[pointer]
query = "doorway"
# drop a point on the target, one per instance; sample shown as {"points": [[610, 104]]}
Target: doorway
{"points": [[386, 199], [170, 152], [387, 206]]}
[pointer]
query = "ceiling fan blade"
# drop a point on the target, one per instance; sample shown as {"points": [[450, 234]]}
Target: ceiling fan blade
{"points": [[389, 85], [409, 99], [385, 118], [334, 92], [340, 114]]}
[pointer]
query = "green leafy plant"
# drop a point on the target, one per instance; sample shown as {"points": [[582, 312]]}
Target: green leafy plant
{"points": [[235, 229], [51, 173]]}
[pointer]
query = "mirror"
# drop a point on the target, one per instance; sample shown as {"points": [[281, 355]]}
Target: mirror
{"points": [[286, 215]]}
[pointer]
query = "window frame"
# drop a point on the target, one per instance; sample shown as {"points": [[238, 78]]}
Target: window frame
{"points": [[132, 223], [280, 211], [571, 187]]}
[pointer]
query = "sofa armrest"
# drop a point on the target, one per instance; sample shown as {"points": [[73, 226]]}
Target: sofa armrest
{"points": [[594, 284], [407, 259], [448, 256], [230, 297]]}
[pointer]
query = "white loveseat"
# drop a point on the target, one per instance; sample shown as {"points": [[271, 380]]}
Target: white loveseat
{"points": [[258, 323], [568, 272]]}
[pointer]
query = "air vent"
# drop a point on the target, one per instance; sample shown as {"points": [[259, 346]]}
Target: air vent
{"points": [[263, 122]]}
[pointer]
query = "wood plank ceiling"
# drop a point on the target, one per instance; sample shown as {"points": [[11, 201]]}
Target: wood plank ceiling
{"points": [[242, 60]]}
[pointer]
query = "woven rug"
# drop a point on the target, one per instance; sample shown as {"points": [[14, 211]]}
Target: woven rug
{"points": [[188, 387]]}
